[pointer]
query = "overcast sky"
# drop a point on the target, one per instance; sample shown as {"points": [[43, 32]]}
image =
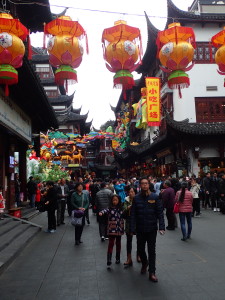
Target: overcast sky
{"points": [[94, 90]]}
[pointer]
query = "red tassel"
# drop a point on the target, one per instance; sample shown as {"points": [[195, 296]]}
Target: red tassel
{"points": [[6, 90], [86, 39], [29, 47], [66, 86], [179, 92]]}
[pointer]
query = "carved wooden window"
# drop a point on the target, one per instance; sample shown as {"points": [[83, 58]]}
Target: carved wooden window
{"points": [[202, 53], [209, 109]]}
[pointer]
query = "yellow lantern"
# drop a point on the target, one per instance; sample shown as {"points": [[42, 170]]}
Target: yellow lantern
{"points": [[176, 51], [65, 48], [121, 52], [218, 41], [12, 49]]}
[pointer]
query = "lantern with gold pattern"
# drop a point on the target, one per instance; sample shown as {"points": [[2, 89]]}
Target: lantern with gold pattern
{"points": [[121, 52], [65, 48], [176, 51], [218, 41], [12, 34]]}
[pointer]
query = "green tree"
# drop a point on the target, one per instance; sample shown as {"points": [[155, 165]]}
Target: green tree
{"points": [[104, 126]]}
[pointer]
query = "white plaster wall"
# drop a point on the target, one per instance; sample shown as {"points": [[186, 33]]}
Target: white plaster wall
{"points": [[209, 150], [201, 76]]}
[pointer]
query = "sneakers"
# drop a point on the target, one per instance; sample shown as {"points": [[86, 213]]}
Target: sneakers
{"points": [[102, 238], [52, 231], [214, 209], [218, 209]]}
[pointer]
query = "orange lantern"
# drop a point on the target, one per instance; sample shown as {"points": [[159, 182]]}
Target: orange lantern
{"points": [[121, 52], [12, 49], [65, 48], [218, 41], [176, 51]]}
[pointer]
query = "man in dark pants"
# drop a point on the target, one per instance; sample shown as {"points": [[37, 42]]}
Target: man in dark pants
{"points": [[146, 212], [207, 189], [62, 194], [168, 198], [103, 198]]}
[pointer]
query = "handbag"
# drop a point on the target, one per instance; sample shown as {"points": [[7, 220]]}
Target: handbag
{"points": [[176, 208], [77, 215]]}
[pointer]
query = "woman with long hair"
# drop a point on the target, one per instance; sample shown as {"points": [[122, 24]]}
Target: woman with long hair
{"points": [[184, 198]]}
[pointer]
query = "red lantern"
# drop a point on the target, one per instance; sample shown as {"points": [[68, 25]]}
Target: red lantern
{"points": [[12, 49], [176, 51], [218, 41], [121, 52], [65, 48]]}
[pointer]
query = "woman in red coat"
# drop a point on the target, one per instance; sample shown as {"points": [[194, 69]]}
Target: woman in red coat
{"points": [[38, 195], [185, 199]]}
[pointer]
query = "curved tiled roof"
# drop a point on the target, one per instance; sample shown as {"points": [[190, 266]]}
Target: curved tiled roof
{"points": [[70, 117], [151, 50], [187, 16], [196, 128], [63, 99]]}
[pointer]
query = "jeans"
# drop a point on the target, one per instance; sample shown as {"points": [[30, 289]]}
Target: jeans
{"points": [[150, 238], [182, 216], [61, 211]]}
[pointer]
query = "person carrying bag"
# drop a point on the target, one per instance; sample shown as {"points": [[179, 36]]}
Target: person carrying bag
{"points": [[79, 203]]}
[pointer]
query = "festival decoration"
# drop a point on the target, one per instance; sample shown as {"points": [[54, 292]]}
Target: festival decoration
{"points": [[140, 110], [176, 51], [12, 35], [153, 100], [65, 48], [218, 41], [121, 53]]}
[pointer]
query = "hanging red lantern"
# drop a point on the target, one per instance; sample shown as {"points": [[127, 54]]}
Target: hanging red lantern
{"points": [[121, 52], [65, 48], [176, 51], [12, 49], [218, 41]]}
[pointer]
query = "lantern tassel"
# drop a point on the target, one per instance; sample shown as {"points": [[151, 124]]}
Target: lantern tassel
{"points": [[6, 90], [86, 39], [29, 47], [179, 92]]}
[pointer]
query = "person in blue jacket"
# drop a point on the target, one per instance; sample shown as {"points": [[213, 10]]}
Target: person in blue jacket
{"points": [[146, 218], [119, 187]]}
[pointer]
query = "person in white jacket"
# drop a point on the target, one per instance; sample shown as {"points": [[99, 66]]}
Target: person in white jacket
{"points": [[195, 188]]}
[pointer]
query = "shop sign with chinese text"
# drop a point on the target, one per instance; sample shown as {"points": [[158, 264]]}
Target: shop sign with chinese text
{"points": [[153, 100]]}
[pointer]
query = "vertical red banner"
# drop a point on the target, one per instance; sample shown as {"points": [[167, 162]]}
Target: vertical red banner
{"points": [[153, 100]]}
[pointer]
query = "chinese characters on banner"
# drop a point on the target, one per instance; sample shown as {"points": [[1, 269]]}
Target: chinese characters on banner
{"points": [[153, 100]]}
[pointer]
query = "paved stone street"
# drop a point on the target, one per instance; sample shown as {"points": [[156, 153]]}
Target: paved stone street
{"points": [[51, 267]]}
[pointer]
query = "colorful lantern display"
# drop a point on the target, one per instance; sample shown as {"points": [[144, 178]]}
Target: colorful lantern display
{"points": [[140, 110], [218, 41], [176, 51], [12, 49], [65, 48], [121, 52]]}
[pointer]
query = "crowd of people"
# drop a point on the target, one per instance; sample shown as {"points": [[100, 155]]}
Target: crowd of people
{"points": [[131, 207]]}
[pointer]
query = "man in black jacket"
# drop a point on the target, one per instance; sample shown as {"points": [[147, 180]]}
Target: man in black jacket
{"points": [[146, 212]]}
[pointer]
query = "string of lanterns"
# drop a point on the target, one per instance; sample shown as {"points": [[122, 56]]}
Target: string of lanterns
{"points": [[122, 51]]}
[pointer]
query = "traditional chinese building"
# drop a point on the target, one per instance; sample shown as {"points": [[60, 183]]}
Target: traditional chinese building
{"points": [[190, 137], [26, 111]]}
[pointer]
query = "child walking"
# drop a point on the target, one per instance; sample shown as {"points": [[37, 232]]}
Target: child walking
{"points": [[115, 227]]}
